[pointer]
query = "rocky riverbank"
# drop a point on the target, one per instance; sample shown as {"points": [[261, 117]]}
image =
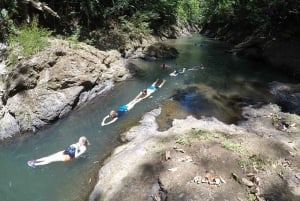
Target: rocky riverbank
{"points": [[277, 52], [193, 160], [206, 160], [44, 88]]}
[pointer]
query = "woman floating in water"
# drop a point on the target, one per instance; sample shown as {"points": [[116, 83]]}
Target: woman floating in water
{"points": [[73, 151], [176, 72], [200, 67], [114, 115]]}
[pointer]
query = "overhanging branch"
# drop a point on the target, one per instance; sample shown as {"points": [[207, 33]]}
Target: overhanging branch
{"points": [[42, 7]]}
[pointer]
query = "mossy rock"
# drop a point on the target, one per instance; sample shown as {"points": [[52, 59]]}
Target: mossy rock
{"points": [[161, 51]]}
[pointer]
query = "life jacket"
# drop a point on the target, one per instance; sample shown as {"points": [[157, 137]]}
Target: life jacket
{"points": [[152, 87], [122, 109]]}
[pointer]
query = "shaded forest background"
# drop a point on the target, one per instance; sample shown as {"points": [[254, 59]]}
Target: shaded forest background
{"points": [[110, 23]]}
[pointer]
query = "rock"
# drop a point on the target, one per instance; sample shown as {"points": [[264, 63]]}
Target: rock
{"points": [[172, 169], [8, 126], [197, 179], [38, 107], [161, 51], [140, 165], [178, 149], [283, 54], [288, 95], [186, 159], [167, 155], [236, 178], [3, 69], [47, 86], [23, 77], [97, 90], [3, 53], [217, 181], [247, 182], [158, 192]]}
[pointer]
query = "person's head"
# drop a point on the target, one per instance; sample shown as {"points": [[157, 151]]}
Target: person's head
{"points": [[83, 141], [144, 91], [113, 114]]}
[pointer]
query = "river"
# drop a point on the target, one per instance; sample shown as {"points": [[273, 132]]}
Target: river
{"points": [[220, 89]]}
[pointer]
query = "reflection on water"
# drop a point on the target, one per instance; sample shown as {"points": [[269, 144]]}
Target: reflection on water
{"points": [[220, 89]]}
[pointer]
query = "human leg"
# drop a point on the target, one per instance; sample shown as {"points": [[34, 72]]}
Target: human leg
{"points": [[59, 156], [162, 83], [155, 82]]}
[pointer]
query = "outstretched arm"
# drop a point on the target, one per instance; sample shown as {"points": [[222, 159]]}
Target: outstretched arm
{"points": [[183, 70], [110, 122], [79, 151]]}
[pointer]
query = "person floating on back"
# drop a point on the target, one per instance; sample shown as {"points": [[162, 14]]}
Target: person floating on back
{"points": [[114, 115], [73, 151], [176, 72], [145, 93], [200, 67]]}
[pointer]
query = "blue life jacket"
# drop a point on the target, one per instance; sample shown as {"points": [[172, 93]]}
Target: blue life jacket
{"points": [[152, 87], [122, 109]]}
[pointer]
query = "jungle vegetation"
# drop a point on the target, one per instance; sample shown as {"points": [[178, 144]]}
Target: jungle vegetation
{"points": [[99, 21]]}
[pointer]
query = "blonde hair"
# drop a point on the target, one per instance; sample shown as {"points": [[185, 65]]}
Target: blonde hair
{"points": [[84, 140], [113, 114]]}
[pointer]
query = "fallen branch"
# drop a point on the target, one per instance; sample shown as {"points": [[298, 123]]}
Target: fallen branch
{"points": [[42, 7]]}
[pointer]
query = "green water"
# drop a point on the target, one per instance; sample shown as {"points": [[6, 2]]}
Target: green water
{"points": [[225, 82]]}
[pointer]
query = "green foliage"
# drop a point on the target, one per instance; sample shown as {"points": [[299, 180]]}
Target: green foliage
{"points": [[6, 25], [188, 10], [161, 148], [237, 148], [30, 39], [136, 26], [274, 15], [183, 140], [216, 11], [253, 162], [135, 18]]}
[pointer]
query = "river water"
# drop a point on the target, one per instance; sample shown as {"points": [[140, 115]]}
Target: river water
{"points": [[220, 89]]}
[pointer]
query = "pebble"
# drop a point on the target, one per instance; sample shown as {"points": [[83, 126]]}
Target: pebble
{"points": [[172, 169]]}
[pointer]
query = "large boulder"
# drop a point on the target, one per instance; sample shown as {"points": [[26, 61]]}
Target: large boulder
{"points": [[283, 54], [161, 51], [35, 108], [277, 53], [44, 88], [287, 95], [8, 124]]}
